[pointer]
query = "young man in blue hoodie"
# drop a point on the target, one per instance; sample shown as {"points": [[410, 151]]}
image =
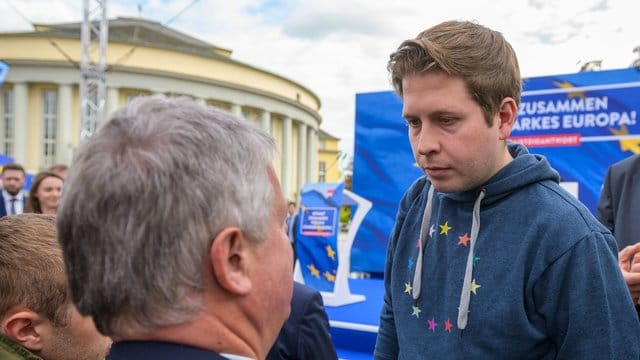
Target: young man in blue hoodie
{"points": [[490, 258]]}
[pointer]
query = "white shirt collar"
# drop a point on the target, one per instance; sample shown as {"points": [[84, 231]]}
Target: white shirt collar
{"points": [[235, 357], [8, 196]]}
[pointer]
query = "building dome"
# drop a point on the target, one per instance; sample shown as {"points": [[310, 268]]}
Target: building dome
{"points": [[40, 101]]}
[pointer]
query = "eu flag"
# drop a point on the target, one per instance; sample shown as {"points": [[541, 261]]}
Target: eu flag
{"points": [[317, 234]]}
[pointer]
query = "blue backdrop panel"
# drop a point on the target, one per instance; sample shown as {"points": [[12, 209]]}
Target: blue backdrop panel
{"points": [[317, 234], [383, 169], [581, 122]]}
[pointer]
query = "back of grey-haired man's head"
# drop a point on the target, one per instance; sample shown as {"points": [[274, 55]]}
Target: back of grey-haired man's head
{"points": [[144, 198]]}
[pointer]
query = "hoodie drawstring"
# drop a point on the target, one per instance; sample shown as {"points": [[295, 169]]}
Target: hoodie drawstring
{"points": [[426, 221], [465, 295]]}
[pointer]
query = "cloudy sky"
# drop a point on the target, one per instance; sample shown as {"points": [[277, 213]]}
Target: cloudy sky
{"points": [[338, 48]]}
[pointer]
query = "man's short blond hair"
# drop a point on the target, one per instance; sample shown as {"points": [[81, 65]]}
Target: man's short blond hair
{"points": [[32, 271]]}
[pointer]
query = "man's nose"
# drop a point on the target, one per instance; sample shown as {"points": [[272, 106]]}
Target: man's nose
{"points": [[428, 140]]}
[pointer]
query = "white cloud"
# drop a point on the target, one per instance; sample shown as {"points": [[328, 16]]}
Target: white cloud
{"points": [[340, 48]]}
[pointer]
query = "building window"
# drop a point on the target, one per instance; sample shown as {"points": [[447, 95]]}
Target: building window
{"points": [[322, 144], [322, 167], [49, 127], [8, 123]]}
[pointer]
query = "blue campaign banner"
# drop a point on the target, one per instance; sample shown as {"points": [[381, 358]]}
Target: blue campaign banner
{"points": [[317, 234], [581, 122], [383, 170], [4, 69]]}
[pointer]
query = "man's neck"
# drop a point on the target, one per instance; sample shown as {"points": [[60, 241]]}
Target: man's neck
{"points": [[228, 338]]}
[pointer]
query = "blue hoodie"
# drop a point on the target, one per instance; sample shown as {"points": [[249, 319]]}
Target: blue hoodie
{"points": [[518, 269]]}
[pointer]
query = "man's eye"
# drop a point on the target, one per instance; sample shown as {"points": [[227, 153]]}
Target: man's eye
{"points": [[413, 122], [447, 120]]}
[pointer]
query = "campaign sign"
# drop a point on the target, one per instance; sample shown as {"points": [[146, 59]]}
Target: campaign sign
{"points": [[317, 234], [582, 123], [318, 221]]}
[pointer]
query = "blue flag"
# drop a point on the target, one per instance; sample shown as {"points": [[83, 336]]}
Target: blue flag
{"points": [[317, 234]]}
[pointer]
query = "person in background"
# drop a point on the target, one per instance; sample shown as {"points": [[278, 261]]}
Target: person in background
{"points": [[194, 276], [37, 318], [290, 226], [13, 198], [291, 213], [44, 194], [618, 209], [490, 258], [59, 169]]}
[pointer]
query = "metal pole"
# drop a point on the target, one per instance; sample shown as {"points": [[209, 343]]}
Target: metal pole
{"points": [[94, 37]]}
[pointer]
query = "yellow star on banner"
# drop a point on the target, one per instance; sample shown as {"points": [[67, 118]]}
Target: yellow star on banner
{"points": [[444, 229], [567, 85], [416, 311], [407, 288], [329, 276], [313, 270], [474, 287], [330, 252], [632, 145]]}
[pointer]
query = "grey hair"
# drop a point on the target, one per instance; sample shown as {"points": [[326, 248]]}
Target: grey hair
{"points": [[145, 197]]}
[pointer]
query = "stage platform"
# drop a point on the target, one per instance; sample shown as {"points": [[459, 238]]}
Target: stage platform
{"points": [[354, 327]]}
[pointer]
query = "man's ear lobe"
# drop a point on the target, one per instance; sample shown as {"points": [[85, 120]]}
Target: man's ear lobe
{"points": [[230, 258], [23, 328]]}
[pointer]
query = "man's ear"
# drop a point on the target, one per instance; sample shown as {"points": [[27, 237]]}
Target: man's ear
{"points": [[229, 259], [23, 327], [506, 117]]}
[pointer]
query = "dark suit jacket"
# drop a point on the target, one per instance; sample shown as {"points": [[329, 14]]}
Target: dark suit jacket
{"points": [[3, 210], [305, 335], [619, 203], [158, 350]]}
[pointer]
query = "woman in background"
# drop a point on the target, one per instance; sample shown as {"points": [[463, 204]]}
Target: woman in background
{"points": [[44, 194]]}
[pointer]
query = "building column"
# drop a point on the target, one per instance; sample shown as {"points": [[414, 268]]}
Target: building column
{"points": [[21, 115], [286, 156], [113, 97], [312, 156], [236, 110], [64, 146], [302, 155], [265, 121]]}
